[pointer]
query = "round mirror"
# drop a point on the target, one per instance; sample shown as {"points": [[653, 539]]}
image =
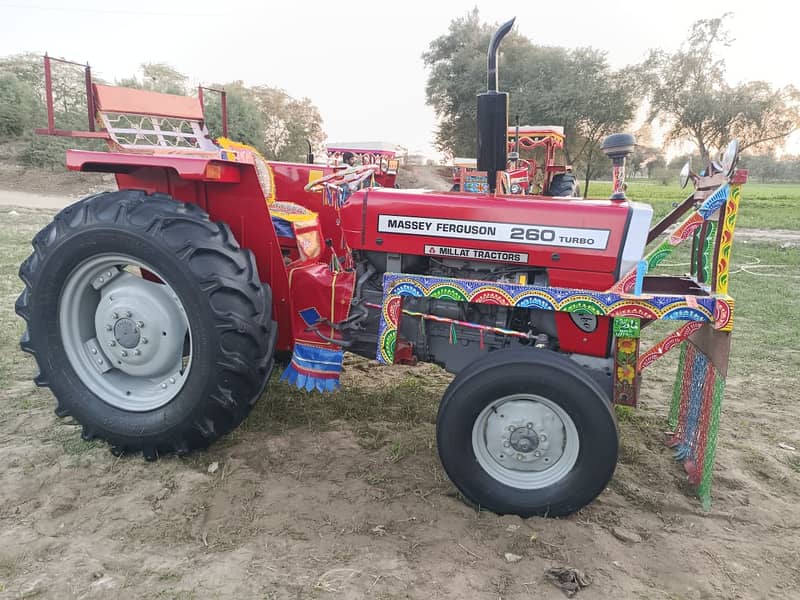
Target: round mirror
{"points": [[730, 157], [685, 172]]}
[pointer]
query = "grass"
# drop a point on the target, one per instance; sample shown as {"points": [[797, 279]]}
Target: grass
{"points": [[765, 302], [763, 205]]}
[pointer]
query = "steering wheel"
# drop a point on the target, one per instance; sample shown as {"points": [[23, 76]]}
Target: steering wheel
{"points": [[352, 177]]}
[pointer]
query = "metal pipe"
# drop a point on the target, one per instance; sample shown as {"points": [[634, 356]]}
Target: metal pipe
{"points": [[89, 96], [48, 89], [491, 59], [310, 155], [224, 100]]}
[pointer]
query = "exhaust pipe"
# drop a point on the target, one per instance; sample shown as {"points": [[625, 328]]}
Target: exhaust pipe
{"points": [[310, 155], [493, 114], [494, 49]]}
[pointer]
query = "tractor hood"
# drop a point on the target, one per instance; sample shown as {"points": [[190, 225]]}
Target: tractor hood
{"points": [[602, 236]]}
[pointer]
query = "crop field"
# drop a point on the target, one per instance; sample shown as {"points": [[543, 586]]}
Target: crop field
{"points": [[342, 496], [764, 205]]}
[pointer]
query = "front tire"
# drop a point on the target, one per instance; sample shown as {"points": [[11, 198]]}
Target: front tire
{"points": [[120, 267], [527, 432]]}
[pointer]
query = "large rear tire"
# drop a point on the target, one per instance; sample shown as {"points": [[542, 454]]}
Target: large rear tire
{"points": [[527, 432], [564, 184], [148, 322]]}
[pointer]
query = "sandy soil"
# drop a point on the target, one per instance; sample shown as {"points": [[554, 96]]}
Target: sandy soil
{"points": [[314, 512]]}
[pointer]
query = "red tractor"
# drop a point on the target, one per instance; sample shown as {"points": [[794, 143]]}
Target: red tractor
{"points": [[155, 312], [524, 175]]}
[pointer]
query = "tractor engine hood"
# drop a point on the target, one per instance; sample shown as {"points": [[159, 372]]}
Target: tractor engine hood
{"points": [[600, 236]]}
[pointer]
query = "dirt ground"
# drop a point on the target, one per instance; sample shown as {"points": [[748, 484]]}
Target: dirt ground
{"points": [[343, 497]]}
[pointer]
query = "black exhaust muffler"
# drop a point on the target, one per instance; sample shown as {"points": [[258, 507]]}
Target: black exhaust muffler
{"points": [[493, 115]]}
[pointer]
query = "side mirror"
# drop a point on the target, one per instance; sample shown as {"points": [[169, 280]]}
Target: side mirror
{"points": [[730, 157]]}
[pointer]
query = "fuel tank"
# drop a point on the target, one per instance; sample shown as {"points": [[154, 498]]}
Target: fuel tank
{"points": [[565, 234]]}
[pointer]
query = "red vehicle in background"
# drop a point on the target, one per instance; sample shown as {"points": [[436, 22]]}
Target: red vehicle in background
{"points": [[382, 155], [537, 173]]}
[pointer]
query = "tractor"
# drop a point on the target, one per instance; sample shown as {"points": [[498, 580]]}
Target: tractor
{"points": [[524, 175], [156, 312]]}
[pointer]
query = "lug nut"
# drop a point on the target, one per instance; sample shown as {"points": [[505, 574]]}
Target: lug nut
{"points": [[543, 437], [112, 343], [172, 380], [505, 444], [94, 350], [109, 274], [530, 425], [140, 324], [124, 353], [144, 340], [537, 454], [163, 386], [137, 352], [115, 316], [108, 328], [520, 457], [102, 280], [128, 314], [99, 361]]}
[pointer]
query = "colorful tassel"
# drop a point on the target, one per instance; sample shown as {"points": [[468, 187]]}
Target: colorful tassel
{"points": [[314, 368]]}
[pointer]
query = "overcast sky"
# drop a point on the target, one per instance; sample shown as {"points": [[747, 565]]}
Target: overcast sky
{"points": [[360, 62]]}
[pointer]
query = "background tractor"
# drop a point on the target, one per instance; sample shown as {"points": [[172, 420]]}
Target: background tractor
{"points": [[537, 172], [155, 312]]}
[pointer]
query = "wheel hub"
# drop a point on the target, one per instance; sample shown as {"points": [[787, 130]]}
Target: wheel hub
{"points": [[140, 327], [126, 336], [127, 333], [524, 439]]}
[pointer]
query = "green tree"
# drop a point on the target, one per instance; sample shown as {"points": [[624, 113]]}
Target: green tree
{"points": [[22, 107], [267, 118], [18, 106], [647, 159], [689, 90], [288, 122], [575, 89], [158, 77], [245, 123]]}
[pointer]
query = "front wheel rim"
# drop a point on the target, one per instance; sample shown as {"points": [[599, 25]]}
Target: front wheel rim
{"points": [[126, 337], [525, 441]]}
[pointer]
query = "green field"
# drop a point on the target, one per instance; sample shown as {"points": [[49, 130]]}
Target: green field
{"points": [[763, 205]]}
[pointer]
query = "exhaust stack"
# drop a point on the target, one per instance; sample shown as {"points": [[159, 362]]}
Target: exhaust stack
{"points": [[493, 115]]}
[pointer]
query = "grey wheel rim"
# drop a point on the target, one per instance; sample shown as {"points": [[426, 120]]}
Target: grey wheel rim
{"points": [[525, 441], [127, 338]]}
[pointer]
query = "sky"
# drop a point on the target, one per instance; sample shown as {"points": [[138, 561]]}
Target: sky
{"points": [[360, 62]]}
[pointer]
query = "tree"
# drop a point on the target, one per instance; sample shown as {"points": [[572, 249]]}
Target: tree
{"points": [[575, 89], [22, 107], [158, 77], [689, 90], [601, 102], [646, 159], [18, 106], [288, 123], [245, 123], [267, 118]]}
